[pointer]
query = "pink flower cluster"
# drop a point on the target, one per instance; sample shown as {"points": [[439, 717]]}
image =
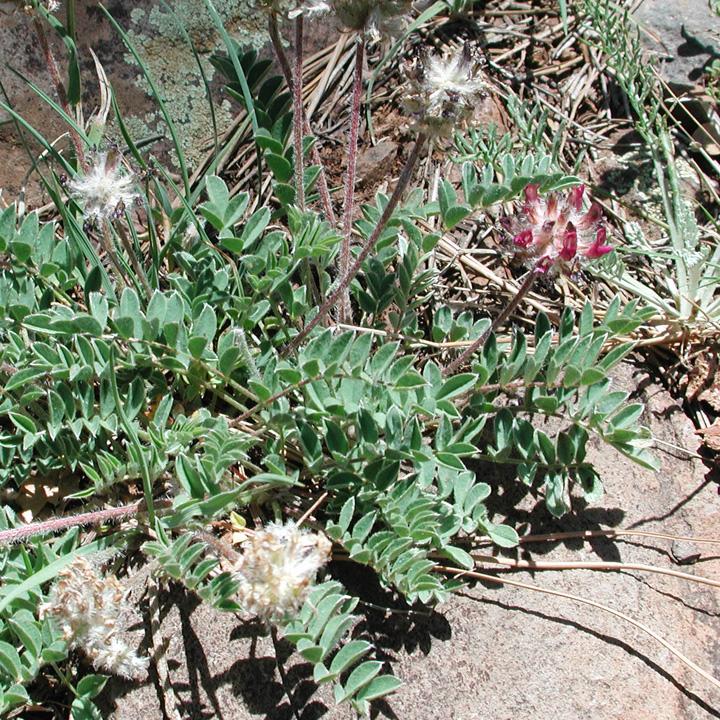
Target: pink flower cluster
{"points": [[555, 232]]}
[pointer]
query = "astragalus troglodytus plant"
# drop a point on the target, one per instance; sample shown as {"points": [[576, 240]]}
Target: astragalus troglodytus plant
{"points": [[173, 353]]}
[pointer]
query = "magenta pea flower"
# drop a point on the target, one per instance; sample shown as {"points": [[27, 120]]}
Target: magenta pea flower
{"points": [[555, 233]]}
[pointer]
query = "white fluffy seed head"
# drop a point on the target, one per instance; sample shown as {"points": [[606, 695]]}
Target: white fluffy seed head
{"points": [[104, 190], [310, 8], [86, 607], [278, 568], [443, 92], [116, 657]]}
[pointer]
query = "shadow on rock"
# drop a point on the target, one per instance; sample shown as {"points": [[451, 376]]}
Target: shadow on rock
{"points": [[524, 508], [252, 679], [387, 621]]}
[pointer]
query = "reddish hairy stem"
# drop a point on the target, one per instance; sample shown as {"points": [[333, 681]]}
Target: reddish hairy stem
{"points": [[298, 115], [15, 535], [523, 290], [345, 311], [323, 189], [222, 548], [367, 248]]}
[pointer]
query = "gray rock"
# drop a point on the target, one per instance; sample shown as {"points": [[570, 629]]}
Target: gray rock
{"points": [[680, 33], [375, 163]]}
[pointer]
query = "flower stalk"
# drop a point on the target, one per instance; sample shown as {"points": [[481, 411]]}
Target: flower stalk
{"points": [[108, 245], [134, 261], [298, 115], [344, 281], [97, 517], [507, 311], [344, 309], [322, 183]]}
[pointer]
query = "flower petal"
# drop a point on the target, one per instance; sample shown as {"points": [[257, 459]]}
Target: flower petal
{"points": [[531, 192], [552, 205], [592, 216], [569, 243], [575, 197], [524, 238], [599, 246]]}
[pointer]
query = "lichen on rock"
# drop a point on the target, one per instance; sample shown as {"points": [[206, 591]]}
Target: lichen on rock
{"points": [[161, 43]]}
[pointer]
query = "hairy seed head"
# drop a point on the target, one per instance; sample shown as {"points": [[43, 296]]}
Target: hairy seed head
{"points": [[442, 92], [277, 569], [104, 190], [86, 606]]}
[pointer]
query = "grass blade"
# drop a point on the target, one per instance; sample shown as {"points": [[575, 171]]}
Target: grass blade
{"points": [[156, 96]]}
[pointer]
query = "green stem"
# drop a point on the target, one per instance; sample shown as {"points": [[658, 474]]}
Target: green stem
{"points": [[71, 23], [64, 678], [158, 98], [54, 71], [109, 246], [246, 354], [132, 436], [132, 256]]}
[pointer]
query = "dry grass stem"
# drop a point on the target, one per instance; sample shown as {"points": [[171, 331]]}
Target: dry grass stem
{"points": [[591, 565]]}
